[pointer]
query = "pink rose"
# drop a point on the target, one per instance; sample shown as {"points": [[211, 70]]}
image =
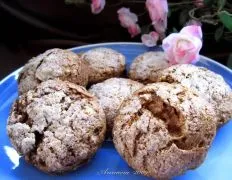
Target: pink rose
{"points": [[158, 11], [192, 30], [183, 47], [199, 3], [97, 6], [193, 22], [150, 39], [129, 20]]}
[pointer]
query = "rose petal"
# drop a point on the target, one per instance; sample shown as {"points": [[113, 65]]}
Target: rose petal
{"points": [[134, 30], [183, 47], [158, 10], [199, 3], [126, 12], [192, 30], [193, 22], [97, 6], [129, 20], [150, 39]]}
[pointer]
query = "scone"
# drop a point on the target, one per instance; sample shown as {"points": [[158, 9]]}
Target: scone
{"points": [[54, 63], [57, 127], [104, 63], [111, 93], [145, 67], [224, 108], [203, 81], [163, 130]]}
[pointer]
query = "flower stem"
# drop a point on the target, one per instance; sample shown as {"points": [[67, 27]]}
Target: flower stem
{"points": [[181, 3]]}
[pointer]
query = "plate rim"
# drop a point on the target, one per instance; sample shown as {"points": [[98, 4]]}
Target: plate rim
{"points": [[14, 75], [16, 72]]}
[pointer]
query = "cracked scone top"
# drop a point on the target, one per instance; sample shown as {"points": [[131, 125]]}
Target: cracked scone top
{"points": [[111, 93], [53, 63], [145, 66], [203, 81], [163, 130], [105, 63], [57, 127]]}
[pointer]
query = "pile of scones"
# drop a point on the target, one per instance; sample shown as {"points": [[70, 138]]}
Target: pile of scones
{"points": [[162, 118]]}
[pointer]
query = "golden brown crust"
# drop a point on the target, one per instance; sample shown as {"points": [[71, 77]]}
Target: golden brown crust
{"points": [[164, 129], [145, 67], [52, 64], [224, 110], [57, 127], [206, 83], [111, 93], [104, 63]]}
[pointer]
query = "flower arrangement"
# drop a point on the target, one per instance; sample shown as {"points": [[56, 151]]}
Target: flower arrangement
{"points": [[182, 47]]}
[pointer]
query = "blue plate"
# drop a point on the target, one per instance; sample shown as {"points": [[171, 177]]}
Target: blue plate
{"points": [[107, 164]]}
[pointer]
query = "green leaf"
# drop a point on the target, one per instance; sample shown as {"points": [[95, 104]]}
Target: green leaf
{"points": [[173, 10], [209, 2], [226, 19], [174, 30], [145, 29], [77, 2], [218, 33], [229, 61], [221, 4], [184, 16], [169, 13]]}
